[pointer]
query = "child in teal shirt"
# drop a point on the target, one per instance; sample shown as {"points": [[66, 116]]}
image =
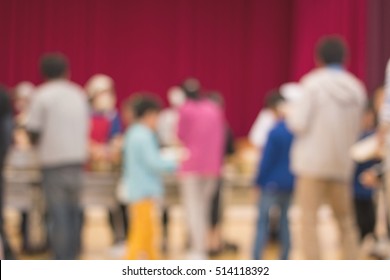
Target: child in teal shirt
{"points": [[143, 169]]}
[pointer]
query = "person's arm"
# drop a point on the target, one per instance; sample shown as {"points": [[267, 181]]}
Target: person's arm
{"points": [[153, 158], [268, 159], [116, 127], [299, 114]]}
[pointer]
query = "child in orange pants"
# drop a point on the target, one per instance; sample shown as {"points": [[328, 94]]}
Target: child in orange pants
{"points": [[144, 231], [143, 167]]}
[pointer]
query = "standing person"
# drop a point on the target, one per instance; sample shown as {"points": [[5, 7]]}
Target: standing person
{"points": [[58, 123], [5, 140], [143, 168], [384, 133], [326, 123], [22, 155], [201, 130], [167, 135], [363, 194], [258, 135], [217, 244], [105, 139], [276, 181]]}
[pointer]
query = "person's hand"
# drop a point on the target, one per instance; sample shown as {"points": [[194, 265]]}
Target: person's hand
{"points": [[98, 151], [369, 179], [381, 134], [183, 154]]}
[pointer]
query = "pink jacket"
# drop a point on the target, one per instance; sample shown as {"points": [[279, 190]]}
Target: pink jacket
{"points": [[201, 129]]}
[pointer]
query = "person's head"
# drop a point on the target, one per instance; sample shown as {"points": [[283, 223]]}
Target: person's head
{"points": [[217, 98], [101, 92], [191, 88], [176, 96], [275, 101], [54, 66], [331, 50], [369, 117], [23, 93], [146, 110]]}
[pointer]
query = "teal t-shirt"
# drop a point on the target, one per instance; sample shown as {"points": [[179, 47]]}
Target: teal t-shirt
{"points": [[143, 164]]}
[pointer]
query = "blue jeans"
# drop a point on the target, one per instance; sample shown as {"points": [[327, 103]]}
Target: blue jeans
{"points": [[268, 200], [62, 187]]}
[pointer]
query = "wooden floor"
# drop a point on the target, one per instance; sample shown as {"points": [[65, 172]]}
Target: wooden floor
{"points": [[238, 228]]}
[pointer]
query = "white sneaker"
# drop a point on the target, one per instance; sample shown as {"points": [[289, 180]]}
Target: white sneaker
{"points": [[196, 256], [118, 250], [381, 249]]}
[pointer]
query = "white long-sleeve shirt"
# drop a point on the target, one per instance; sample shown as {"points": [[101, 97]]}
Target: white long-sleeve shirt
{"points": [[263, 124]]}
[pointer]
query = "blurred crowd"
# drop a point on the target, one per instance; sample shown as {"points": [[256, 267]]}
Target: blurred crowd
{"points": [[321, 140]]}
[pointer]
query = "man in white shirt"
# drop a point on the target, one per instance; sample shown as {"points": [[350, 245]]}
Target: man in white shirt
{"points": [[326, 123], [58, 123], [169, 117]]}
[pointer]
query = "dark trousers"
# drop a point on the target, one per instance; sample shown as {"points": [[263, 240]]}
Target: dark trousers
{"points": [[215, 215], [6, 246], [365, 216], [124, 220], [62, 187]]}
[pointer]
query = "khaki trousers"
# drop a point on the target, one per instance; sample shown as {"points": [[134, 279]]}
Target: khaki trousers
{"points": [[197, 195], [310, 194]]}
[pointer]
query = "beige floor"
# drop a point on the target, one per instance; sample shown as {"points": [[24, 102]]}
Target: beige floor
{"points": [[238, 227]]}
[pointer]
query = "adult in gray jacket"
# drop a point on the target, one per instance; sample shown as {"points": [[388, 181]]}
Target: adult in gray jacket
{"points": [[326, 123], [58, 122]]}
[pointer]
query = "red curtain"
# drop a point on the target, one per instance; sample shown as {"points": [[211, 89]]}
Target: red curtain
{"points": [[242, 48], [378, 38], [313, 19]]}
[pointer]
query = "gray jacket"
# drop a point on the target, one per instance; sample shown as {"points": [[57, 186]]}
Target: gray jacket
{"points": [[326, 122]]}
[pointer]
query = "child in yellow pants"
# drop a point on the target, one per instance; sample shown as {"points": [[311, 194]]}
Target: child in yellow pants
{"points": [[143, 168], [142, 237]]}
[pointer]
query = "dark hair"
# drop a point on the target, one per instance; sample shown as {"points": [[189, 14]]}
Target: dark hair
{"points": [[5, 102], [145, 103], [331, 50], [216, 97], [191, 88], [273, 99], [54, 65]]}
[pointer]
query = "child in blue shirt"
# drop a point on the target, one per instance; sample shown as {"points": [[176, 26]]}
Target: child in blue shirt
{"points": [[143, 169], [276, 183], [363, 194]]}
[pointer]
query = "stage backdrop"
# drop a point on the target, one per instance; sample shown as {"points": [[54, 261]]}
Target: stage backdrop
{"points": [[242, 48]]}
